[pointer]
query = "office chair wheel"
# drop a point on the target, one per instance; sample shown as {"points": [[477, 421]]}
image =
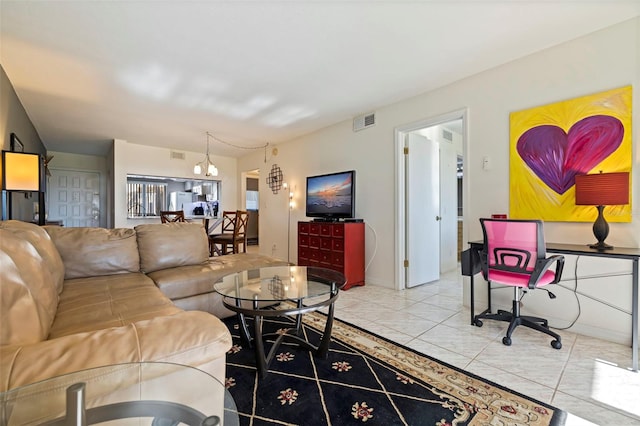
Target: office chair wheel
{"points": [[555, 344], [506, 341], [477, 323]]}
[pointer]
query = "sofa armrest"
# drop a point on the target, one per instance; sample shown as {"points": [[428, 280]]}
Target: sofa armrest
{"points": [[190, 338]]}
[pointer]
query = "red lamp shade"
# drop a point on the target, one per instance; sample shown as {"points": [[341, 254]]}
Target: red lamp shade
{"points": [[602, 189]]}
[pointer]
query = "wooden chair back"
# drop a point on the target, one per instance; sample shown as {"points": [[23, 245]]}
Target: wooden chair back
{"points": [[234, 233], [228, 222], [240, 231], [172, 216]]}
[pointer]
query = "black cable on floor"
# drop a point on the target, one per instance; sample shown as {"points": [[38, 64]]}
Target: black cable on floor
{"points": [[575, 293]]}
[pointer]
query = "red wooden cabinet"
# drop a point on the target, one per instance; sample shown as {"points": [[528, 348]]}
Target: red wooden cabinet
{"points": [[338, 246]]}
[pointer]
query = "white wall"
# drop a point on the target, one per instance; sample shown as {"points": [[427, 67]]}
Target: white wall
{"points": [[604, 60], [130, 158], [14, 119], [334, 149]]}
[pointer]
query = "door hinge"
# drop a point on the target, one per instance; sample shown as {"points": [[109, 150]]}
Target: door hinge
{"points": [[406, 150], [406, 263]]}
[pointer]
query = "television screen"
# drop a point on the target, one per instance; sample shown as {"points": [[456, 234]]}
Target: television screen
{"points": [[332, 195]]}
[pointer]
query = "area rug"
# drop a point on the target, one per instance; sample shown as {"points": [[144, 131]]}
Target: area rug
{"points": [[367, 380]]}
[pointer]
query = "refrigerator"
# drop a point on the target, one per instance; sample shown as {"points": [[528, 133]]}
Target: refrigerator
{"points": [[179, 200]]}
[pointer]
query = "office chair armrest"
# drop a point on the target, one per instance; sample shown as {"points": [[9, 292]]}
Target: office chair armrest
{"points": [[542, 266]]}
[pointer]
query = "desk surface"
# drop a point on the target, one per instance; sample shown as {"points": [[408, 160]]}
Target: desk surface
{"points": [[584, 250]]}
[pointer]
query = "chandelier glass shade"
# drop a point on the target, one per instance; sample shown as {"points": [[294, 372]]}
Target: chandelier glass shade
{"points": [[206, 166]]}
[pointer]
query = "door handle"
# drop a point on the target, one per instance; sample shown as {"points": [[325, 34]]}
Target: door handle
{"points": [[438, 217]]}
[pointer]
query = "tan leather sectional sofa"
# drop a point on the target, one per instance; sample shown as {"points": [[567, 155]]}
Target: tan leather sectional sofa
{"points": [[76, 298]]}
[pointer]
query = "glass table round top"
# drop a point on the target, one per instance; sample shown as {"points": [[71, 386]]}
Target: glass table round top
{"points": [[278, 283]]}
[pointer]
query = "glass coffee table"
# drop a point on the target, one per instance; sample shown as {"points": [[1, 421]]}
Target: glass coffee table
{"points": [[153, 393], [278, 291]]}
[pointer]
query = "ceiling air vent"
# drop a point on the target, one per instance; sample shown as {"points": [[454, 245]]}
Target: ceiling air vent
{"points": [[364, 121], [447, 135], [175, 155]]}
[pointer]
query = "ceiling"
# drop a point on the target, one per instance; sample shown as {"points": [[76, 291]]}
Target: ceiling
{"points": [[163, 73]]}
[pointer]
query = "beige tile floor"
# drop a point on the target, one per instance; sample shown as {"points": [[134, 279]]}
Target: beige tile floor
{"points": [[589, 378]]}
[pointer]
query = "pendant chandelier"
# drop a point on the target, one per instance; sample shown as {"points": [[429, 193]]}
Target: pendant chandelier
{"points": [[206, 166]]}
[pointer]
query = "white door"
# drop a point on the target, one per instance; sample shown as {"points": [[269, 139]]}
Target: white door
{"points": [[448, 207], [74, 198], [422, 209]]}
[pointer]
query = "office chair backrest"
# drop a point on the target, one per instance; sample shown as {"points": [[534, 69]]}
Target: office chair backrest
{"points": [[512, 245]]}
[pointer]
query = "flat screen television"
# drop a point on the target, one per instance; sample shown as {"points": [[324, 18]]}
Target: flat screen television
{"points": [[331, 196]]}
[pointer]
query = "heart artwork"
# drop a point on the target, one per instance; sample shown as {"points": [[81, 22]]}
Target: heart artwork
{"points": [[557, 157]]}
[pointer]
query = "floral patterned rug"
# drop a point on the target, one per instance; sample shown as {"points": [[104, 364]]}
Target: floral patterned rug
{"points": [[367, 380]]}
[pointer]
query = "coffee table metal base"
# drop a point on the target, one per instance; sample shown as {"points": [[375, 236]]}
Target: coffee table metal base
{"points": [[264, 360], [162, 412]]}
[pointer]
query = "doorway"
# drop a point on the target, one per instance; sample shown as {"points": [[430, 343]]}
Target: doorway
{"points": [[251, 205], [74, 198], [430, 156]]}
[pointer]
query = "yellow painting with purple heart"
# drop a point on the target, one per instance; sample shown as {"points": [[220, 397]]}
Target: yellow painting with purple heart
{"points": [[551, 144]]}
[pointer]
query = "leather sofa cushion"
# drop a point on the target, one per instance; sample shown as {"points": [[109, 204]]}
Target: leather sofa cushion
{"points": [[231, 263], [191, 287], [89, 252], [189, 338], [186, 281], [169, 245], [95, 303], [208, 302], [43, 244], [30, 282]]}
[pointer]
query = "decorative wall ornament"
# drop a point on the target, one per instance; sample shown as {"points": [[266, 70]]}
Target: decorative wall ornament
{"points": [[551, 144], [274, 180]]}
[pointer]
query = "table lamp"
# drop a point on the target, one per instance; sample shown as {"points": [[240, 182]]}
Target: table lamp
{"points": [[600, 190]]}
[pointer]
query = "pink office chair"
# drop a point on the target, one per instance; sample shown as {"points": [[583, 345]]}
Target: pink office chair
{"points": [[514, 255]]}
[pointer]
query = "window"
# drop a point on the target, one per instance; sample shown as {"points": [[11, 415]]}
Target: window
{"points": [[148, 195], [253, 200], [146, 198]]}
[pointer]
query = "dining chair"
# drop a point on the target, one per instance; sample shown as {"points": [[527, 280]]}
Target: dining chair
{"points": [[172, 216], [234, 225], [514, 254]]}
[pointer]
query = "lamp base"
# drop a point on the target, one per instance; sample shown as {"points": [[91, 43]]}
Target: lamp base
{"points": [[600, 231], [601, 246]]}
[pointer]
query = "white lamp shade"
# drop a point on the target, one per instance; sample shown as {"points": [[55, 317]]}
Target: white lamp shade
{"points": [[197, 169]]}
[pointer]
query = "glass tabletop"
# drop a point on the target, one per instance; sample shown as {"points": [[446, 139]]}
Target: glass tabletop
{"points": [[112, 392], [280, 283]]}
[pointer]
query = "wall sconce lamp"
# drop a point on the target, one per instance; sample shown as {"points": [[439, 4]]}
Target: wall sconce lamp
{"points": [[291, 204], [285, 186], [600, 190]]}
